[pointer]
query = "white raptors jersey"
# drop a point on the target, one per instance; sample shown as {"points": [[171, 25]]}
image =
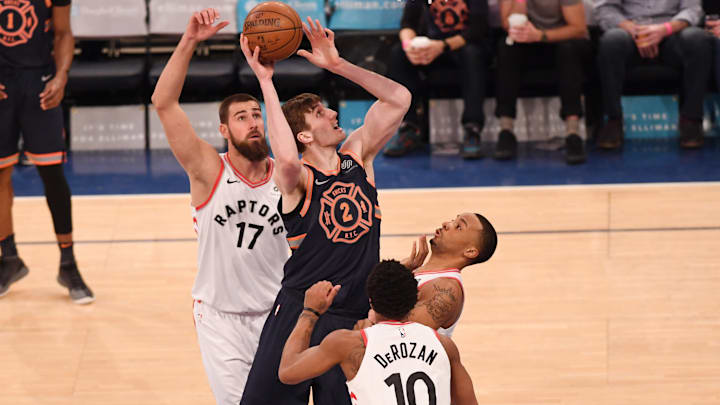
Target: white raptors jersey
{"points": [[423, 278], [241, 243], [404, 363]]}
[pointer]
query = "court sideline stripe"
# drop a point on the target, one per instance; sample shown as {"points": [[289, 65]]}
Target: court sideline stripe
{"points": [[412, 235]]}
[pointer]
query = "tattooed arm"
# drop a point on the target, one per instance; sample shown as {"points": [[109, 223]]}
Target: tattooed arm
{"points": [[439, 303]]}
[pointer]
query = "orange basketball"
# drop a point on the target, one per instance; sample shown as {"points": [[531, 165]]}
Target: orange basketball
{"points": [[275, 27]]}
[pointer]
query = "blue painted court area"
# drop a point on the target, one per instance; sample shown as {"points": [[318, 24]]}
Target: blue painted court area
{"points": [[640, 161]]}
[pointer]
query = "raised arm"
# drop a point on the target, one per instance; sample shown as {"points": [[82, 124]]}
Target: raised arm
{"points": [[385, 115], [197, 157], [63, 50], [461, 386], [298, 362], [289, 174], [439, 303]]}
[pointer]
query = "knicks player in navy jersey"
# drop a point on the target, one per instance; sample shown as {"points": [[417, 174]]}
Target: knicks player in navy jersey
{"points": [[386, 363], [36, 50], [329, 206]]}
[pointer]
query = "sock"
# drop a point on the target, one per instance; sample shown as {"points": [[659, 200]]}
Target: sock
{"points": [[572, 126], [507, 123], [8, 247], [66, 253]]}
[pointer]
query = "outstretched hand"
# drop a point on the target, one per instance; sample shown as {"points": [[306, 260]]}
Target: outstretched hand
{"points": [[263, 71], [201, 28], [322, 40]]}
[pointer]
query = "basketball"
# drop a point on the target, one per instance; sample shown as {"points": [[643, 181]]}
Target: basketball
{"points": [[276, 28]]}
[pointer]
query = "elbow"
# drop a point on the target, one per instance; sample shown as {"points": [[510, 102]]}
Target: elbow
{"points": [[158, 102], [285, 377], [404, 98]]}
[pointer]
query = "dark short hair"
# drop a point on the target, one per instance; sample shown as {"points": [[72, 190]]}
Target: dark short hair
{"points": [[295, 109], [487, 241], [224, 109], [392, 289]]}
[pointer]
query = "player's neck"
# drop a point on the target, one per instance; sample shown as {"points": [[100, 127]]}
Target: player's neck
{"points": [[324, 159], [252, 171], [439, 263]]}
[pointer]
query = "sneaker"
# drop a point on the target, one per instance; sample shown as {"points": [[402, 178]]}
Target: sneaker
{"points": [[70, 278], [691, 133], [611, 135], [406, 140], [472, 141], [506, 147], [574, 149], [12, 269]]}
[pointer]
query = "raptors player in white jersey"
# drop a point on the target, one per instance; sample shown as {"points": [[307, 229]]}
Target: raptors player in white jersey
{"points": [[242, 244], [393, 362], [468, 239]]}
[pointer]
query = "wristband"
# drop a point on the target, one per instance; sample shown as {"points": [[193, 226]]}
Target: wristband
{"points": [[668, 28], [406, 44], [312, 310]]}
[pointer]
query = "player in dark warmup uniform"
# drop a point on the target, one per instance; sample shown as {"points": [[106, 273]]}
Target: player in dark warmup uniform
{"points": [[36, 50], [330, 210]]}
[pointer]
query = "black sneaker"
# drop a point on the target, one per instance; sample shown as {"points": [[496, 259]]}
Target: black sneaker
{"points": [[506, 147], [12, 269], [472, 141], [70, 278], [691, 134], [406, 140], [574, 149], [611, 135]]}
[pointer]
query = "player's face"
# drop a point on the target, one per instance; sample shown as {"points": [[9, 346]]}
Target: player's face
{"points": [[324, 126], [246, 130], [457, 235]]}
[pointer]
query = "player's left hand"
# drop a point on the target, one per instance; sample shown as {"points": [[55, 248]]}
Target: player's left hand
{"points": [[417, 255], [321, 295], [525, 33], [322, 40], [362, 324], [263, 71], [54, 92]]}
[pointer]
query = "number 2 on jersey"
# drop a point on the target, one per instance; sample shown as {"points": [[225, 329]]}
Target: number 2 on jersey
{"points": [[395, 381], [258, 230]]}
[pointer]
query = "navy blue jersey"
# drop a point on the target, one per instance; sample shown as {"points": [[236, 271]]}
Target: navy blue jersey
{"points": [[334, 234], [26, 37]]}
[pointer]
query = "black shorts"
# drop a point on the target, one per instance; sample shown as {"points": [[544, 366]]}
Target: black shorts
{"points": [[42, 131], [264, 387]]}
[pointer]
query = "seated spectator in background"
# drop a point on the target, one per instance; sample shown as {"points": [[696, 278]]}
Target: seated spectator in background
{"points": [[551, 31], [456, 30], [663, 31], [712, 25]]}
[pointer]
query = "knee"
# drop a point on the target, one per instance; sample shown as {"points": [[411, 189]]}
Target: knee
{"points": [[615, 42], [695, 40]]}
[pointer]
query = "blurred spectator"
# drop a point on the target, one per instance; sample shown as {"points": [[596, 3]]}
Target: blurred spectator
{"points": [[542, 31], [664, 31], [712, 25], [455, 32]]}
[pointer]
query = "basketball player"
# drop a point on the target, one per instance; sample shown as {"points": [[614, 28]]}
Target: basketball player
{"points": [[330, 208], [241, 237], [468, 239], [36, 51], [388, 362]]}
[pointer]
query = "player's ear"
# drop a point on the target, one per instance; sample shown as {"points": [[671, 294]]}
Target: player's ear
{"points": [[305, 137], [224, 131], [471, 253]]}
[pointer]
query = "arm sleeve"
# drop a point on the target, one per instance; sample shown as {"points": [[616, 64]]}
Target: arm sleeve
{"points": [[412, 14], [61, 3], [690, 11], [477, 26], [609, 13]]}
